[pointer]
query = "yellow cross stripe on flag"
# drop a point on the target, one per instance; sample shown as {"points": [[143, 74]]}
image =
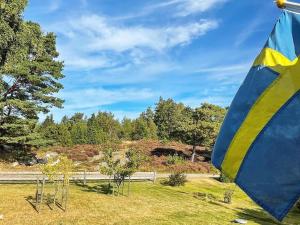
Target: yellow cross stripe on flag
{"points": [[267, 105]]}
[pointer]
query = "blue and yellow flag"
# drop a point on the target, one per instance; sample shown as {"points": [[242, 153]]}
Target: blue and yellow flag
{"points": [[259, 143]]}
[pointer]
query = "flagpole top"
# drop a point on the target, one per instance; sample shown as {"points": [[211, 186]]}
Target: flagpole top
{"points": [[281, 4]]}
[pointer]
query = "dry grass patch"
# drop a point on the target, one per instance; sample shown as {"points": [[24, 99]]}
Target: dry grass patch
{"points": [[149, 204]]}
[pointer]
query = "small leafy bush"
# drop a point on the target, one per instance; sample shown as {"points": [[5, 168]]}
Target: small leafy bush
{"points": [[91, 153], [174, 160], [177, 179], [58, 166], [205, 196], [164, 141], [224, 179], [228, 196], [81, 157]]}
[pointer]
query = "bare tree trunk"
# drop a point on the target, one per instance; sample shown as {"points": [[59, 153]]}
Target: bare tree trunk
{"points": [[55, 193], [109, 185], [128, 190], [113, 186], [194, 153], [123, 183]]}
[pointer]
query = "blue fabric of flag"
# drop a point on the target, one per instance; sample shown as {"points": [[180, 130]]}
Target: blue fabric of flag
{"points": [[270, 170]]}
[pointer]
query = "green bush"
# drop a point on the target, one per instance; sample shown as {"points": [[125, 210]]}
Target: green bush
{"points": [[205, 196], [224, 179], [228, 196], [177, 179], [174, 160], [164, 141]]}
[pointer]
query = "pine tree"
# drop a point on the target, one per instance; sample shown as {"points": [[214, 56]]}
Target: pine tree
{"points": [[79, 133], [127, 129], [10, 26], [49, 130], [148, 116], [140, 129], [200, 126], [165, 117], [64, 135], [29, 75], [109, 126], [144, 126], [49, 121], [92, 132]]}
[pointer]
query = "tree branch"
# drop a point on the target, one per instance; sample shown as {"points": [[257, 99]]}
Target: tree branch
{"points": [[11, 89]]}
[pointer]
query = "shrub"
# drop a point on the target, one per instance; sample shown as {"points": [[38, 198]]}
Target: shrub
{"points": [[224, 179], [174, 160], [205, 196], [228, 196], [164, 141], [177, 179], [91, 153], [79, 157]]}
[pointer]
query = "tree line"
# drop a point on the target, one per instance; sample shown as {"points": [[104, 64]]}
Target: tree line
{"points": [[168, 121]]}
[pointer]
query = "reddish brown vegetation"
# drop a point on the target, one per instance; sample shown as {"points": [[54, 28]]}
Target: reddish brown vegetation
{"points": [[155, 152], [158, 152], [77, 152]]}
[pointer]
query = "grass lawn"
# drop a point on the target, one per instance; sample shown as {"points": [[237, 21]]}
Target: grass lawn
{"points": [[148, 204]]}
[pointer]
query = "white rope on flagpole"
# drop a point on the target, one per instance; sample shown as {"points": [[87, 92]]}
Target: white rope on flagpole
{"points": [[293, 7], [292, 4]]}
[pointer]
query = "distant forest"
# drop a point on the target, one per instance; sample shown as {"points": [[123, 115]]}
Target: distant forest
{"points": [[168, 121]]}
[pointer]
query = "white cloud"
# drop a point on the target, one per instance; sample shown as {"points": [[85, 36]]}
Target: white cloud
{"points": [[53, 6], [97, 97], [187, 7], [105, 36], [58, 114], [84, 3], [76, 59], [230, 75], [174, 8], [217, 100], [254, 26], [250, 30], [88, 36], [119, 114], [227, 69], [132, 74]]}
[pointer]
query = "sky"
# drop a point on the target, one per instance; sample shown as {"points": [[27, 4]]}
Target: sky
{"points": [[121, 56]]}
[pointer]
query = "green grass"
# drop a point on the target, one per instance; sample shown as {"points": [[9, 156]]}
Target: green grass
{"points": [[148, 204]]}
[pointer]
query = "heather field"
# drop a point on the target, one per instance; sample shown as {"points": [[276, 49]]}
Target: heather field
{"points": [[156, 155]]}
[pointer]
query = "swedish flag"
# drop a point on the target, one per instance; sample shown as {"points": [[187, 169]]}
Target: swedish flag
{"points": [[259, 142]]}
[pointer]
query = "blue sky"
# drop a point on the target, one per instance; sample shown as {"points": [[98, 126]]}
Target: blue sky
{"points": [[120, 56]]}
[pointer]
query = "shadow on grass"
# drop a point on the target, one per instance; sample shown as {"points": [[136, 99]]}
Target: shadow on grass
{"points": [[165, 182], [103, 188], [257, 216], [46, 202], [59, 205], [167, 188], [31, 200]]}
